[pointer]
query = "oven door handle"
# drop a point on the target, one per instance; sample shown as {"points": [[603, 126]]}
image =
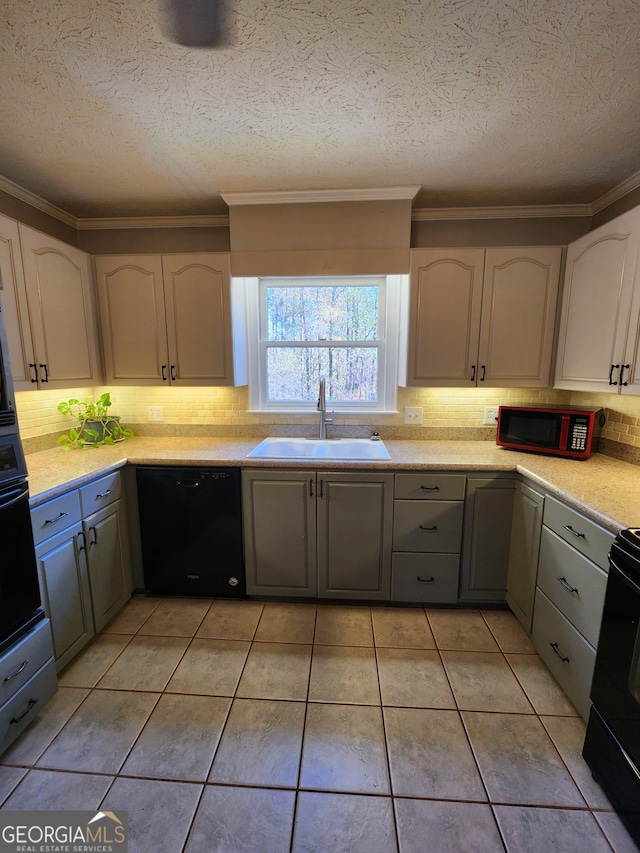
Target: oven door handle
{"points": [[11, 497], [623, 575]]}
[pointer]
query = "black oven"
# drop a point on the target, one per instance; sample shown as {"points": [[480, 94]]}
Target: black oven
{"points": [[8, 417], [19, 588], [612, 744]]}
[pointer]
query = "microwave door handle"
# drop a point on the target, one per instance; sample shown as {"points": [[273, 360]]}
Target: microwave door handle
{"points": [[563, 442]]}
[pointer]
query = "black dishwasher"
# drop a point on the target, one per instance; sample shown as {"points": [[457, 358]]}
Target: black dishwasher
{"points": [[191, 530]]}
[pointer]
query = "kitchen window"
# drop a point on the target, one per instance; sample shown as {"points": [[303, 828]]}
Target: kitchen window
{"points": [[343, 328]]}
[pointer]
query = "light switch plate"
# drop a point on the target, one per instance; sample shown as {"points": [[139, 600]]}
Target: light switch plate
{"points": [[490, 415], [155, 413], [413, 415]]}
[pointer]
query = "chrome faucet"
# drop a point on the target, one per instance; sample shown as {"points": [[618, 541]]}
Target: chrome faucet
{"points": [[322, 406]]}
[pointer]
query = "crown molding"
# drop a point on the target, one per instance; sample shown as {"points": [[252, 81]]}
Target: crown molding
{"points": [[36, 201], [128, 222], [408, 193], [618, 192], [423, 214]]}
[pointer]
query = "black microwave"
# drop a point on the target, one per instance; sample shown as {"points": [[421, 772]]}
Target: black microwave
{"points": [[566, 432]]}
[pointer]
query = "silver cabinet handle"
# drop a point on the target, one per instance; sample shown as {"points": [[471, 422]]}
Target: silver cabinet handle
{"points": [[565, 583], [106, 494], [575, 532], [57, 518], [17, 672], [428, 529], [430, 488], [557, 651]]}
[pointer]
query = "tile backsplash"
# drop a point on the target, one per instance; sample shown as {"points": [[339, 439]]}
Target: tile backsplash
{"points": [[446, 412]]}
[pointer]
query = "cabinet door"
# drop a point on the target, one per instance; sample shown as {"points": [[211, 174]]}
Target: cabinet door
{"points": [[355, 513], [59, 285], [518, 316], [64, 588], [446, 298], [630, 370], [197, 300], [486, 539], [528, 506], [279, 515], [109, 562], [13, 296], [132, 316], [596, 305]]}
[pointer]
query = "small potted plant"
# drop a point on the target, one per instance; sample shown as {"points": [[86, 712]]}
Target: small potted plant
{"points": [[95, 425]]}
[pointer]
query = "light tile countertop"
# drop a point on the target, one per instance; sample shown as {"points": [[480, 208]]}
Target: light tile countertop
{"points": [[605, 489]]}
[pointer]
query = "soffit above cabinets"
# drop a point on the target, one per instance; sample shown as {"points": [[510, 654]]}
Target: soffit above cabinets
{"points": [[478, 103]]}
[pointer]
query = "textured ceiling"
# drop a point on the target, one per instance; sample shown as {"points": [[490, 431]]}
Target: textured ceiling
{"points": [[481, 102]]}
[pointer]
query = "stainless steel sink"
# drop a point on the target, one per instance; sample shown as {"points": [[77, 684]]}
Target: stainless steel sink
{"points": [[316, 448]]}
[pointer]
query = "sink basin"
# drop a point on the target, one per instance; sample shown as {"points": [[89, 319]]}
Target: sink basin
{"points": [[316, 448]]}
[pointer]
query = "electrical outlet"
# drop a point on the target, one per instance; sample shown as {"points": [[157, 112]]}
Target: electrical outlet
{"points": [[413, 415], [490, 415], [155, 413]]}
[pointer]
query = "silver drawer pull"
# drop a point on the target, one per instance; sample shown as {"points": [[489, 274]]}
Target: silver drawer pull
{"points": [[428, 529], [425, 580], [565, 583], [15, 720], [575, 532], [430, 488], [106, 494], [17, 672], [57, 518], [557, 651]]}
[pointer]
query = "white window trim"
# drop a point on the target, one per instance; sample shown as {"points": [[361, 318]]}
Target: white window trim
{"points": [[390, 336]]}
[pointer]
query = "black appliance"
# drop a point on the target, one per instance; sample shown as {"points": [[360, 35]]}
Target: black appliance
{"points": [[191, 530], [568, 432], [19, 588], [612, 743]]}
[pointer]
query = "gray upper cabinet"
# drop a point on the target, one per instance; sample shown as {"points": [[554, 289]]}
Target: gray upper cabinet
{"points": [[486, 538], [47, 297], [326, 534], [166, 319], [481, 317], [599, 327]]}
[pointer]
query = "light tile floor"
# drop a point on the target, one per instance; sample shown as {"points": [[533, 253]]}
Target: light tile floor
{"points": [[224, 726]]}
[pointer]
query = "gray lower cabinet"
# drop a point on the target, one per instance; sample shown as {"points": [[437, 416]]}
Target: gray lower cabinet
{"points": [[526, 527], [63, 574], [427, 534], [107, 547], [279, 520], [324, 534], [486, 538], [83, 563], [27, 681], [571, 583]]}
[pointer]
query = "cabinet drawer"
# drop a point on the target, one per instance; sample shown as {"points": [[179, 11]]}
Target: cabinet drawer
{"points": [[430, 526], [574, 584], [575, 673], [588, 537], [23, 660], [100, 493], [431, 578], [430, 487], [26, 704], [55, 515]]}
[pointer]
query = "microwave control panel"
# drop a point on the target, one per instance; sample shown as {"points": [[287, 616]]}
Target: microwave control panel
{"points": [[578, 432]]}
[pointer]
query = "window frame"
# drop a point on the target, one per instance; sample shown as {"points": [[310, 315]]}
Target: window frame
{"points": [[392, 292]]}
